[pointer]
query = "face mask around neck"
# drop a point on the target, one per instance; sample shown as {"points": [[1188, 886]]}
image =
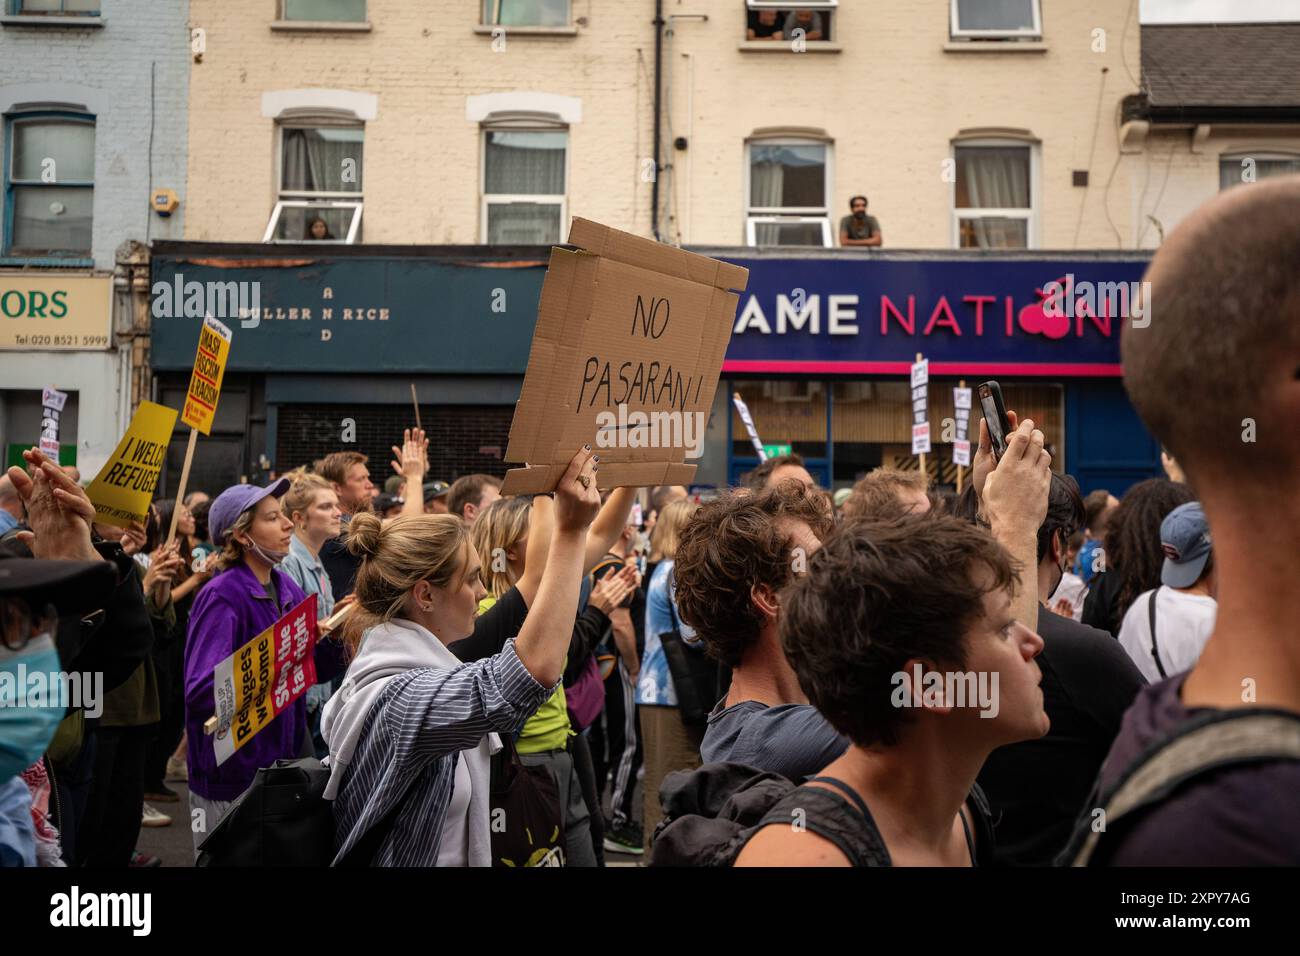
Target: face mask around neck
{"points": [[270, 557]]}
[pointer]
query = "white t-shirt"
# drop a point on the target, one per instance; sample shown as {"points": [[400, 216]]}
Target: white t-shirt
{"points": [[1184, 623], [454, 849], [1073, 589]]}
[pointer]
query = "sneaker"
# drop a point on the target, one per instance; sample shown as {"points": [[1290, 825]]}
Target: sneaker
{"points": [[154, 818], [177, 770], [624, 839], [139, 859], [162, 794]]}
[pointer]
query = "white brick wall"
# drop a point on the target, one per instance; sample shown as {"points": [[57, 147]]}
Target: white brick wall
{"points": [[892, 101]]}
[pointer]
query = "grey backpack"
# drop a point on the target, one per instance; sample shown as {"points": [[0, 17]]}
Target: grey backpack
{"points": [[1213, 741]]}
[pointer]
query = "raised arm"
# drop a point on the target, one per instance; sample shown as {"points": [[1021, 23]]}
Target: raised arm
{"points": [[609, 524], [1014, 497], [409, 463], [544, 639], [540, 520]]}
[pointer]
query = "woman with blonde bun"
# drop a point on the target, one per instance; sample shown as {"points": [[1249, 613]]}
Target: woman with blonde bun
{"points": [[410, 730]]}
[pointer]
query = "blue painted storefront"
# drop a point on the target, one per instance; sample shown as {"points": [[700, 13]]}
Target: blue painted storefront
{"points": [[348, 323]]}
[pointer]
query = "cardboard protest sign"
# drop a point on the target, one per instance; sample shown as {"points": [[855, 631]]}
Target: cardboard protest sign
{"points": [[122, 490], [263, 678], [745, 417], [961, 408], [920, 410], [205, 381], [52, 402], [626, 356]]}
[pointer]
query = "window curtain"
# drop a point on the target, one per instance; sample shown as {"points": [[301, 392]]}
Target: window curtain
{"points": [[992, 178], [1231, 170], [523, 223], [525, 163], [70, 145], [766, 182], [314, 160]]}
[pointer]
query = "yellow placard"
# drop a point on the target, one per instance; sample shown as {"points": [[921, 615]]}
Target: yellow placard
{"points": [[205, 381], [254, 665], [55, 312], [122, 490]]}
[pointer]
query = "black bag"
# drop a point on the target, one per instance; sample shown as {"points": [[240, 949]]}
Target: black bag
{"points": [[283, 819], [527, 821], [699, 680], [711, 813]]}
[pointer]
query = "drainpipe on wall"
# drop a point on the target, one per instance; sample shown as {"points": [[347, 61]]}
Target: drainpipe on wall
{"points": [[659, 49]]}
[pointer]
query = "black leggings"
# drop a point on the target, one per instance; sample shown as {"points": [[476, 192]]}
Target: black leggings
{"points": [[581, 754], [112, 821]]}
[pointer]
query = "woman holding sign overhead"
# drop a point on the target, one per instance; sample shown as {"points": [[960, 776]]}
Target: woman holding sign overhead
{"points": [[411, 728], [245, 597]]}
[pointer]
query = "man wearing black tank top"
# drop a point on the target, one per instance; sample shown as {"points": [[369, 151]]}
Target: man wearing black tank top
{"points": [[888, 607]]}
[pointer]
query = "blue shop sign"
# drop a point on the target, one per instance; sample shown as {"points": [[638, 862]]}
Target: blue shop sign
{"points": [[348, 313], [974, 316]]}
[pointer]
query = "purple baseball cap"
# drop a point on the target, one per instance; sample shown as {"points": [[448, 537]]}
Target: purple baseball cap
{"points": [[234, 501]]}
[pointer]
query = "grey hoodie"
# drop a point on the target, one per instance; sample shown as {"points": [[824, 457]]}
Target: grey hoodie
{"points": [[389, 650]]}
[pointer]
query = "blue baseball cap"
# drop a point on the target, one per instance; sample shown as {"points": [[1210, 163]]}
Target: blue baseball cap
{"points": [[234, 501], [1185, 539]]}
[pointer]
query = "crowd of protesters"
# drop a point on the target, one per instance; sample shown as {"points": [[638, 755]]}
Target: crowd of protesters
{"points": [[889, 676]]}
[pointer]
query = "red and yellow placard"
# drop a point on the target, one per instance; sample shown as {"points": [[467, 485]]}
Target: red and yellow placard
{"points": [[263, 678]]}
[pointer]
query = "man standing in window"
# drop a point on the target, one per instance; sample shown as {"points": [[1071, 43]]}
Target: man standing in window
{"points": [[857, 228]]}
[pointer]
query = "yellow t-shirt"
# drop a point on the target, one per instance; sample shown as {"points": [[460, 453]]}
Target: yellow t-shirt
{"points": [[548, 729]]}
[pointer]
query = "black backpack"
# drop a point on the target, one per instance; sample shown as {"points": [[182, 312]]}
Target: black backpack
{"points": [[1215, 740], [711, 813], [283, 819]]}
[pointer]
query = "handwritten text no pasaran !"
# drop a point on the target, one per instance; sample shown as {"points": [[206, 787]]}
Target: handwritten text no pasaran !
{"points": [[639, 382]]}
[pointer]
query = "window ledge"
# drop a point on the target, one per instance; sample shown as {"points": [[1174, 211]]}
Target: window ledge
{"points": [[319, 26], [32, 20], [46, 262], [995, 46], [785, 46], [486, 30]]}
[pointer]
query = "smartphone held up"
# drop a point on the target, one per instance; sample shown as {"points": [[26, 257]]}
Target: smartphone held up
{"points": [[995, 414]]}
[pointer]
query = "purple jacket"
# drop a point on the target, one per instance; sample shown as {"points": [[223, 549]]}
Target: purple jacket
{"points": [[231, 610]]}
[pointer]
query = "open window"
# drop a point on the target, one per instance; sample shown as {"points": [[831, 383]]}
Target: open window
{"points": [[527, 13], [777, 21], [320, 190], [314, 220], [788, 193], [997, 20], [50, 184]]}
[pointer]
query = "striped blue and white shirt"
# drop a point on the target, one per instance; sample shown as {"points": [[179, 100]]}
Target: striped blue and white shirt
{"points": [[414, 733]]}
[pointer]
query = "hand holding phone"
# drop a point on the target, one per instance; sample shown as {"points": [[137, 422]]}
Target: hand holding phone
{"points": [[995, 416]]}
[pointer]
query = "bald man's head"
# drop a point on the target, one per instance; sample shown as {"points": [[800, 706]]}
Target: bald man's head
{"points": [[1216, 374]]}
